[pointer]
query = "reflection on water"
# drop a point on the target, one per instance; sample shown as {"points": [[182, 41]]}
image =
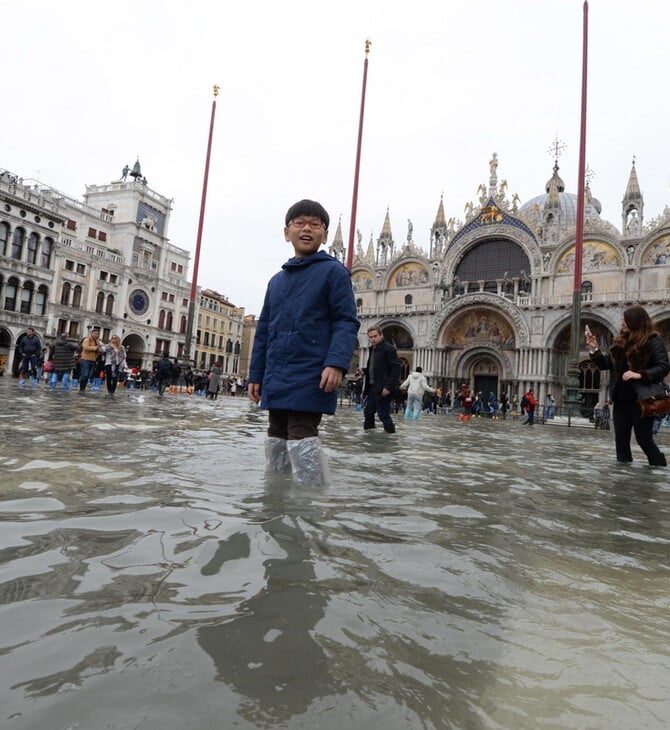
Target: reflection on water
{"points": [[455, 575]]}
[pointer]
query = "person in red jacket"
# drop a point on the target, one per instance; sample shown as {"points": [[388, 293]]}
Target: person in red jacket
{"points": [[531, 405]]}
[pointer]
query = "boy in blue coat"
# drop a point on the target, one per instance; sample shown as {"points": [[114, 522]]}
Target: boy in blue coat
{"points": [[305, 337]]}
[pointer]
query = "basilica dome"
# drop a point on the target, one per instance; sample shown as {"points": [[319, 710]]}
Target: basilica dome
{"points": [[563, 204]]}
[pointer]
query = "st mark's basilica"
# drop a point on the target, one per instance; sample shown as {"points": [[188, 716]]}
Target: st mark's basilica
{"points": [[489, 302]]}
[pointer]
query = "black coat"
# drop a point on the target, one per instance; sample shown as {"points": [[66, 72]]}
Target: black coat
{"points": [[386, 368], [62, 355], [651, 362]]}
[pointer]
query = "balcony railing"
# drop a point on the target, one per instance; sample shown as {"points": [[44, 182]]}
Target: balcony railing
{"points": [[589, 300]]}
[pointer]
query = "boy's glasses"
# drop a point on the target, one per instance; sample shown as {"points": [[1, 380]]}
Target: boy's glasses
{"points": [[313, 223]]}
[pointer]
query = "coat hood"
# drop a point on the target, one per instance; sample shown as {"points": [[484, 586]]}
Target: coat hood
{"points": [[316, 257]]}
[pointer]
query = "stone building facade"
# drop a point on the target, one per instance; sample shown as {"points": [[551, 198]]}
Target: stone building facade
{"points": [[68, 265], [488, 302], [219, 334]]}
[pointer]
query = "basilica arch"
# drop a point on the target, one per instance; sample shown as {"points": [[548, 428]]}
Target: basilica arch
{"points": [[498, 306], [484, 370]]}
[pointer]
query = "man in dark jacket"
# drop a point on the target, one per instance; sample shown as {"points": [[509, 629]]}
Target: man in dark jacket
{"points": [[62, 357], [382, 376], [29, 349]]}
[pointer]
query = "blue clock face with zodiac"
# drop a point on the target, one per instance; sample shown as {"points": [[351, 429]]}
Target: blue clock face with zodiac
{"points": [[138, 301]]}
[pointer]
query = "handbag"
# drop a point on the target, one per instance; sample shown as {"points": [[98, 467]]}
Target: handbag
{"points": [[654, 398]]}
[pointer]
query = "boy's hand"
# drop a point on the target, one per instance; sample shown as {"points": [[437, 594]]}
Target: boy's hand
{"points": [[330, 379], [254, 391]]}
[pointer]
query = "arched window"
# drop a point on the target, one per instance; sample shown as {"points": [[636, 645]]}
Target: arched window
{"points": [[47, 249], [490, 260], [109, 309], [359, 303], [76, 296], [65, 293], [17, 243], [229, 346], [408, 299], [100, 302], [10, 293], [161, 320], [237, 348], [168, 321], [183, 324], [33, 246], [26, 297], [41, 301], [589, 376], [4, 237]]}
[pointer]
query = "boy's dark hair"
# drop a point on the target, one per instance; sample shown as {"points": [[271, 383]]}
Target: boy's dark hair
{"points": [[308, 207], [418, 369]]}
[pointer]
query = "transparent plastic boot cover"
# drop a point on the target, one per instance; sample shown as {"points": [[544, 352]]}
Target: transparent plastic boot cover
{"points": [[309, 463], [276, 455]]}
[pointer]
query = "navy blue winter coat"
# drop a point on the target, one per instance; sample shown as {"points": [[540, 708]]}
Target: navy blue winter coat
{"points": [[308, 322]]}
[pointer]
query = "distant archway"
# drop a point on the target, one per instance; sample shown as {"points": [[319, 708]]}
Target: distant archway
{"points": [[135, 349], [5, 342]]}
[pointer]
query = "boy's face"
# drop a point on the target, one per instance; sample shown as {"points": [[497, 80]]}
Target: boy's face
{"points": [[306, 234]]}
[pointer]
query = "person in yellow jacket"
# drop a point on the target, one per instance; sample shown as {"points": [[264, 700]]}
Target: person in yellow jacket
{"points": [[90, 349]]}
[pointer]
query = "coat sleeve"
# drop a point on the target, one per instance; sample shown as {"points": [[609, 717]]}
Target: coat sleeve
{"points": [[405, 384], [602, 361], [344, 322], [658, 365], [392, 375]]}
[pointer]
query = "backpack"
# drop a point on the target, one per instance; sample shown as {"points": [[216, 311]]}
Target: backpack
{"points": [[524, 401]]}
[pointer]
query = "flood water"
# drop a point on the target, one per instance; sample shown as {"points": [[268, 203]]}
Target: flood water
{"points": [[482, 575]]}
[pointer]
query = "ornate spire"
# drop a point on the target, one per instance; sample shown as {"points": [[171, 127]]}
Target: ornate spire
{"points": [[370, 253], [385, 243], [386, 227], [337, 246], [632, 206], [438, 233], [553, 189], [633, 188], [440, 218], [556, 180]]}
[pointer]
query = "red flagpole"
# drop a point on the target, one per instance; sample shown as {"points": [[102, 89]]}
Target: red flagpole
{"points": [[579, 227], [196, 260], [354, 202], [579, 232]]}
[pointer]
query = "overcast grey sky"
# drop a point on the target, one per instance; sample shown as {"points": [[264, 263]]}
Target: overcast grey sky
{"points": [[88, 86]]}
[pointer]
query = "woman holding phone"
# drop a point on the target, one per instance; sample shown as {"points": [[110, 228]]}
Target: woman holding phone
{"points": [[637, 353]]}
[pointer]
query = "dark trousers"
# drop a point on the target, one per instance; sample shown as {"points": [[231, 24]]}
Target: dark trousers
{"points": [[28, 366], [627, 418], [111, 378], [381, 405], [293, 425]]}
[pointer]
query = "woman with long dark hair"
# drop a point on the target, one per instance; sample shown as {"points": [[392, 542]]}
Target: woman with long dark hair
{"points": [[637, 353]]}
